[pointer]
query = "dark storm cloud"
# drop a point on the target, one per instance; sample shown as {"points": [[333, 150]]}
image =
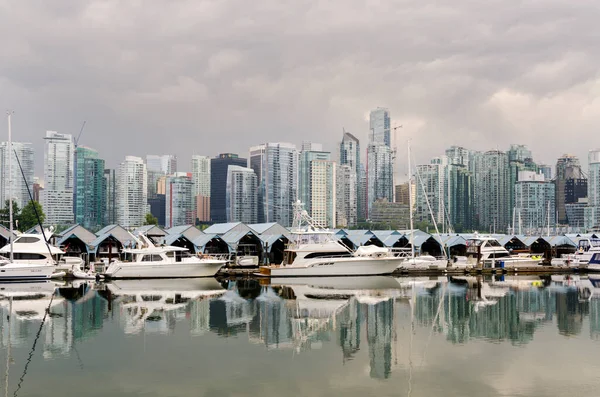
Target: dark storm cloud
{"points": [[206, 77]]}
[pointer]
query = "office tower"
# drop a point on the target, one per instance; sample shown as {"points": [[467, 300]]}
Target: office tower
{"points": [[241, 195], [459, 198], [90, 198], [218, 184], [429, 183], [57, 198], [110, 186], [131, 193], [567, 167], [350, 157], [346, 196], [158, 206], [24, 152], [593, 211], [546, 170], [166, 163], [362, 194], [380, 175], [153, 177], [310, 152], [379, 127], [179, 200], [323, 192], [201, 191], [276, 167], [519, 159], [534, 203], [491, 198]]}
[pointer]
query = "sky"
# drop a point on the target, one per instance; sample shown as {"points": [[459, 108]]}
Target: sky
{"points": [[206, 77]]}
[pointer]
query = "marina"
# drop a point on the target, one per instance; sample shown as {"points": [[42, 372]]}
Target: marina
{"points": [[353, 335]]}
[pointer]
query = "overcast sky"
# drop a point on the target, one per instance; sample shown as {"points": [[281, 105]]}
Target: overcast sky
{"points": [[205, 77]]}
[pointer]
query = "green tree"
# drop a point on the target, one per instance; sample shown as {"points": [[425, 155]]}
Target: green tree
{"points": [[27, 217], [151, 220], [4, 213]]}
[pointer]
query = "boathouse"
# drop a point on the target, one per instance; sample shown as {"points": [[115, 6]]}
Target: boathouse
{"points": [[76, 241], [183, 236], [156, 234], [243, 242], [110, 242]]}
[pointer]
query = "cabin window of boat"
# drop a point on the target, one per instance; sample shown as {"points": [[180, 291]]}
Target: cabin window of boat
{"points": [[170, 254], [500, 255], [147, 258], [326, 254], [27, 239], [595, 242], [27, 256]]}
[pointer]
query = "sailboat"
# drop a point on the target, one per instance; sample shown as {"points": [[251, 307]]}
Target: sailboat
{"points": [[9, 269], [421, 262]]}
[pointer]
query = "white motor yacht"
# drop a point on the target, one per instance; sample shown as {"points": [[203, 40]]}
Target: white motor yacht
{"points": [[424, 262], [486, 251], [163, 262], [314, 252], [586, 248]]}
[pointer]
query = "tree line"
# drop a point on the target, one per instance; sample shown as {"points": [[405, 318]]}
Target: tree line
{"points": [[23, 219]]}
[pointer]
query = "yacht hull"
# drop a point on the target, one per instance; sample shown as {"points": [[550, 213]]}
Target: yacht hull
{"points": [[349, 267], [21, 272], [120, 270]]}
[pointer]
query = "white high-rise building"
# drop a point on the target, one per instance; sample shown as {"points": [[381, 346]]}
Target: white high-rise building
{"points": [[592, 213], [201, 175], [350, 156], [310, 152], [57, 197], [534, 203], [346, 196], [241, 195], [18, 186], [131, 194], [276, 167], [323, 200], [492, 195], [167, 163], [179, 202]]}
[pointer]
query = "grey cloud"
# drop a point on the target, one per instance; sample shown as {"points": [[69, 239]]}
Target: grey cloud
{"points": [[212, 76]]}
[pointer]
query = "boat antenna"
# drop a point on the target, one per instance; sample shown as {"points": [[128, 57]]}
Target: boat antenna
{"points": [[37, 215], [10, 199]]}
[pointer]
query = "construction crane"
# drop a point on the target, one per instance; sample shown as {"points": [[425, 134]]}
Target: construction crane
{"points": [[75, 173]]}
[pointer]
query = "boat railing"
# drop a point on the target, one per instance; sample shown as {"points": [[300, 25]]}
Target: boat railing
{"points": [[221, 257]]}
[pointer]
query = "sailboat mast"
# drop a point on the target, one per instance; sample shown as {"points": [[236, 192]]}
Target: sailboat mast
{"points": [[10, 198], [410, 205]]}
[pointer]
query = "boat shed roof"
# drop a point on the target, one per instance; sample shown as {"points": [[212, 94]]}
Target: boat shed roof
{"points": [[77, 231], [555, 241], [150, 230], [233, 238], [272, 228], [269, 240], [223, 228], [126, 242], [201, 241], [453, 240], [188, 231]]}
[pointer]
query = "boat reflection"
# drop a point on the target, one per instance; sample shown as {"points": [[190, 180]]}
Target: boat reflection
{"points": [[377, 319]]}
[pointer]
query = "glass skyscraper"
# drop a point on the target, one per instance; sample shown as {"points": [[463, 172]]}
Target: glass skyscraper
{"points": [[380, 174], [18, 189], [350, 157], [57, 196], [218, 184], [241, 195], [90, 199], [131, 193], [179, 203]]}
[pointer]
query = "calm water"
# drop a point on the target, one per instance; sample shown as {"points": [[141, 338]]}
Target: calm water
{"points": [[360, 337]]}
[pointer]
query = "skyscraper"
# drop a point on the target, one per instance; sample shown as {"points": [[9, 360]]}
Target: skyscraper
{"points": [[110, 185], [166, 163], [276, 166], [379, 127], [519, 159], [350, 156], [179, 202], [90, 200], [241, 195], [567, 167], [380, 175], [323, 192], [19, 186], [201, 190], [131, 192], [346, 196], [534, 203], [218, 184], [491, 191], [592, 215], [310, 152], [57, 197], [429, 192]]}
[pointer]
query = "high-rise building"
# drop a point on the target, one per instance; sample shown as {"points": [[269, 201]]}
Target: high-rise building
{"points": [[166, 163], [310, 152], [491, 198], [131, 192], [534, 203], [380, 175], [323, 192], [546, 170], [593, 210], [110, 184], [90, 198], [218, 184], [379, 127], [350, 156], [346, 196], [362, 194], [18, 190], [241, 195], [201, 191], [459, 197], [429, 192], [153, 178], [519, 159], [276, 167], [37, 189], [57, 198], [179, 200], [158, 206], [567, 167]]}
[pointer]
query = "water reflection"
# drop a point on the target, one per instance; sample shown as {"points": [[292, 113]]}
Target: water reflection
{"points": [[303, 315]]}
